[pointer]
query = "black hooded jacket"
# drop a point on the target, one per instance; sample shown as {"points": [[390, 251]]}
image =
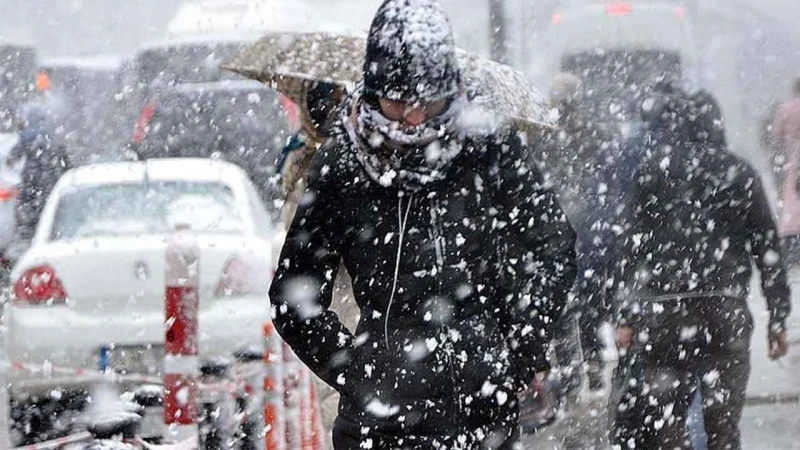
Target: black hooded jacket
{"points": [[458, 285], [698, 218]]}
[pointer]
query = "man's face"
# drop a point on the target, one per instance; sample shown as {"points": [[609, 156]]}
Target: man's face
{"points": [[412, 115]]}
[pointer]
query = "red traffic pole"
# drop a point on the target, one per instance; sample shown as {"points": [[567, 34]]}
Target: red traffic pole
{"points": [[274, 412], [316, 419], [306, 411], [181, 367], [292, 399]]}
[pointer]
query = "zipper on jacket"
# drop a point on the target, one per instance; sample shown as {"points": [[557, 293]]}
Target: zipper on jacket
{"points": [[438, 240], [402, 220]]}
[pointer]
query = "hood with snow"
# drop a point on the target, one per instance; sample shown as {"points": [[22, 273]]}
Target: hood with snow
{"points": [[410, 58], [411, 53]]}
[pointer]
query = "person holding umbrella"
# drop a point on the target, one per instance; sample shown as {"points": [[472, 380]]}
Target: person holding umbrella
{"points": [[460, 259]]}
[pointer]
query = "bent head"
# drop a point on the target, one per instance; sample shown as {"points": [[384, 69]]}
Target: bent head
{"points": [[411, 70], [405, 120]]}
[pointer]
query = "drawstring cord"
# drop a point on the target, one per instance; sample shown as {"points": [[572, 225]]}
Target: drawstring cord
{"points": [[402, 222]]}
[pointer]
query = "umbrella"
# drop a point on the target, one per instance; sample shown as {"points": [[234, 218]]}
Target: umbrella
{"points": [[294, 62]]}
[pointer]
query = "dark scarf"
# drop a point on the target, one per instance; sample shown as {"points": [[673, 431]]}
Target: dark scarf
{"points": [[397, 157]]}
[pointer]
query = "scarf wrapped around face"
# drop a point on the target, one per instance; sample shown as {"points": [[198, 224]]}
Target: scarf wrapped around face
{"points": [[396, 156]]}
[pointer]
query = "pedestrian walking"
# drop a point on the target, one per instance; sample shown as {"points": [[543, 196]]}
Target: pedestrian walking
{"points": [[698, 221], [460, 258], [44, 162]]}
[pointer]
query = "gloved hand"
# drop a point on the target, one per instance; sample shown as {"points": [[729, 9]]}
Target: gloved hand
{"points": [[624, 337], [533, 387], [778, 344]]}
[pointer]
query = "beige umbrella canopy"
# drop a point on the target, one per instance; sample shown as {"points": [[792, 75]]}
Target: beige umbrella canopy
{"points": [[294, 62]]}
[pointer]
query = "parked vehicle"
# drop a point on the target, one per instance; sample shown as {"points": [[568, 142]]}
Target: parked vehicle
{"points": [[9, 182], [82, 97], [93, 279], [238, 121], [619, 49]]}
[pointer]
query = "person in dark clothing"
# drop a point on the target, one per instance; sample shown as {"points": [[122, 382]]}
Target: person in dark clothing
{"points": [[45, 162], [698, 220], [460, 259]]}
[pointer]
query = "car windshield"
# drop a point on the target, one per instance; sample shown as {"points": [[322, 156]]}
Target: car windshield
{"points": [[130, 209]]}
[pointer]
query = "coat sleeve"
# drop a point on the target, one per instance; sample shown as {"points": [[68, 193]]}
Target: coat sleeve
{"points": [[302, 290], [537, 261], [768, 255]]}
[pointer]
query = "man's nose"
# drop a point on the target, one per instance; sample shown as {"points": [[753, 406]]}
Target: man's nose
{"points": [[415, 117]]}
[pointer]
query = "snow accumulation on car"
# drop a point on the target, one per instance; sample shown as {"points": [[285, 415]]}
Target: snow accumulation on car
{"points": [[93, 279]]}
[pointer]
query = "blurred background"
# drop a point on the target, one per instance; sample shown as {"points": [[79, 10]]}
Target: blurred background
{"points": [[140, 79], [747, 51]]}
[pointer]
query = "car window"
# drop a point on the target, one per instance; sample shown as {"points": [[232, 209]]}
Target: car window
{"points": [[263, 222], [130, 209], [191, 63], [614, 80], [245, 127]]}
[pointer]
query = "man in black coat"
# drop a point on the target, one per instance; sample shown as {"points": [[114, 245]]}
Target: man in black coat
{"points": [[699, 220], [460, 259]]}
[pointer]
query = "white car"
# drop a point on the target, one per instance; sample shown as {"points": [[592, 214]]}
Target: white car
{"points": [[9, 181], [93, 280]]}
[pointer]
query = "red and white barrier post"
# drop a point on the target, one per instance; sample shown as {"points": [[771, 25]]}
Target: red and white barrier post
{"points": [[306, 408], [181, 366], [293, 400], [274, 412], [316, 419]]}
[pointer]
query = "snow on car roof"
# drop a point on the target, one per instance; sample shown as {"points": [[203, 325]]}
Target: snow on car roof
{"points": [[90, 62], [189, 169], [225, 85], [210, 39]]}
